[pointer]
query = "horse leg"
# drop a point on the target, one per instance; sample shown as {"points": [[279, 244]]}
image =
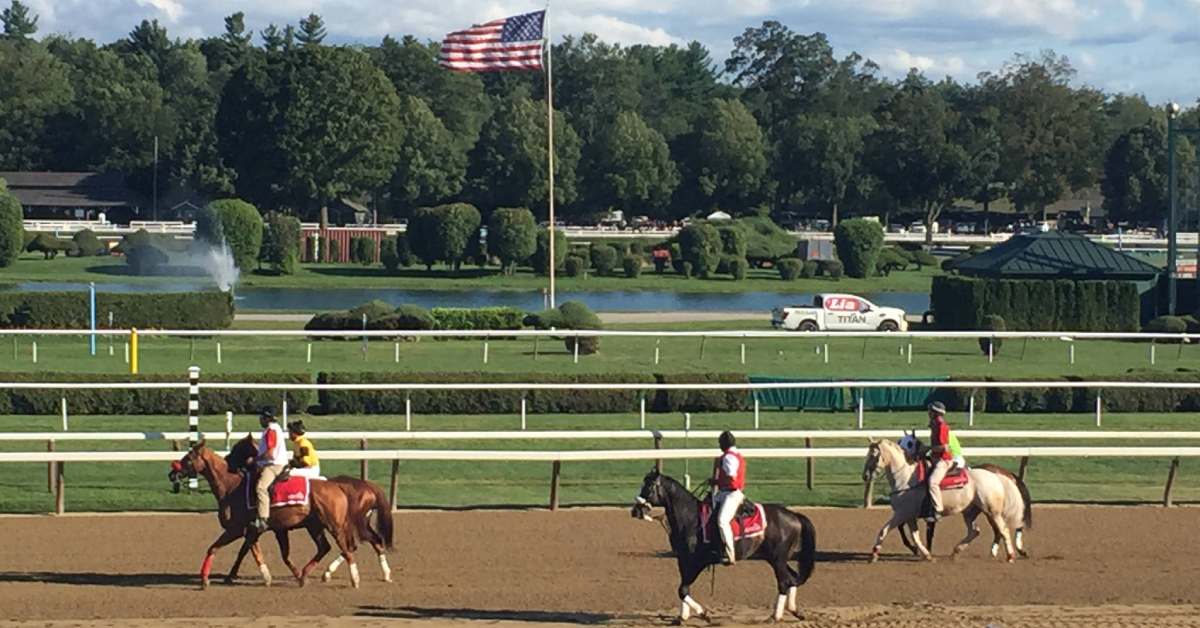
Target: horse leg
{"points": [[688, 573], [227, 537], [317, 531], [256, 551], [883, 532], [346, 545], [332, 568], [787, 579], [969, 517], [237, 563], [904, 536], [930, 526], [285, 550], [1000, 526]]}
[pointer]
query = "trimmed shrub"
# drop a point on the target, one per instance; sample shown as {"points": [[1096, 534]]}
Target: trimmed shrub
{"points": [[388, 255], [702, 400], [636, 248], [48, 245], [738, 268], [333, 250], [242, 226], [512, 237], [858, 243], [700, 244], [687, 270], [574, 266], [477, 318], [70, 310], [632, 265], [457, 224], [145, 259], [733, 241], [924, 258], [765, 240], [1082, 400], [12, 229], [1166, 325], [809, 270], [404, 251], [890, 259], [831, 267], [991, 322], [281, 243], [422, 236], [790, 268], [362, 250], [576, 315], [960, 303], [208, 226], [604, 259], [477, 250], [541, 256], [87, 244], [676, 257], [1192, 323]]}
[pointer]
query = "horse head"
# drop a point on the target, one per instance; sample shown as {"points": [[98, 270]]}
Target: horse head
{"points": [[191, 464], [874, 462], [650, 496], [242, 454]]}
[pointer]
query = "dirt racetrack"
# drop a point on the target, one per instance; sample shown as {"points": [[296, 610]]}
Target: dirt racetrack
{"points": [[1106, 566]]}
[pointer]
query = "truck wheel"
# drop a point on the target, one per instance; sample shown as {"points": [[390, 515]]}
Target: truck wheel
{"points": [[807, 326], [889, 326]]}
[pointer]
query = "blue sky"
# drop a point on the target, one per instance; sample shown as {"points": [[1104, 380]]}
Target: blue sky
{"points": [[1150, 47]]}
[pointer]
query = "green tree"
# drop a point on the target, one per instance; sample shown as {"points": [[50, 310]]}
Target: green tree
{"points": [[457, 224], [820, 158], [12, 229], [858, 243], [18, 24], [700, 244], [594, 84], [1135, 174], [512, 237], [633, 165], [541, 256], [281, 243], [430, 168], [422, 234], [39, 91], [242, 225], [731, 156], [312, 30]]}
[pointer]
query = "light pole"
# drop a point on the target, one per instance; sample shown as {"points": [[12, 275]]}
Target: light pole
{"points": [[1172, 203]]}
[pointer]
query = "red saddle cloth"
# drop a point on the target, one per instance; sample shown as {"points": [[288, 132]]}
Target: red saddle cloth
{"points": [[956, 478], [290, 492], [742, 527]]}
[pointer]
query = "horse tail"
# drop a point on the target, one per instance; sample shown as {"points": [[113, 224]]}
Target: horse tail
{"points": [[383, 515], [808, 548], [1028, 514]]}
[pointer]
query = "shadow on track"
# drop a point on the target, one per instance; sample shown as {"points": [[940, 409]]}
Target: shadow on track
{"points": [[469, 614], [101, 579]]}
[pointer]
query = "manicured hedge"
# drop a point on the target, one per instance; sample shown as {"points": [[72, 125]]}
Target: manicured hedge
{"points": [[69, 310], [1042, 400], [1035, 304], [138, 402], [702, 400], [478, 318]]}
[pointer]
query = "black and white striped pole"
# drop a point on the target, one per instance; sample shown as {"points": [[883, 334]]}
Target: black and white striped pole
{"points": [[193, 418]]}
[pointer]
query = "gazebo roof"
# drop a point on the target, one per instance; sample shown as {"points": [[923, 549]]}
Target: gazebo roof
{"points": [[1055, 255]]}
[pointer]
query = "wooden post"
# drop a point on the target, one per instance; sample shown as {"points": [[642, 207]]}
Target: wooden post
{"points": [[395, 482], [1023, 468], [1167, 501], [555, 472], [869, 491], [864, 350], [51, 469], [362, 470], [808, 465], [702, 339], [658, 445], [60, 492]]}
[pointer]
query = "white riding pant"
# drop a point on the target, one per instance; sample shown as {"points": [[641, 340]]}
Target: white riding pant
{"points": [[312, 473], [936, 475], [728, 503]]}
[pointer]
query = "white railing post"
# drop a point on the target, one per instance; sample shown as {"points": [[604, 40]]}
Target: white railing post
{"points": [[743, 353], [485, 352], [860, 410], [642, 405], [910, 353], [971, 411], [218, 352], [397, 358], [825, 352], [35, 352], [1151, 353], [228, 428], [193, 418], [308, 354], [1099, 408], [656, 352], [64, 414], [756, 412], [522, 413], [1072, 353], [991, 350], [407, 413]]}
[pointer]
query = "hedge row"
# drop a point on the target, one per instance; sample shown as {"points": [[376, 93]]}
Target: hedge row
{"points": [[537, 401], [1035, 304], [125, 402], [1040, 400], [69, 310]]}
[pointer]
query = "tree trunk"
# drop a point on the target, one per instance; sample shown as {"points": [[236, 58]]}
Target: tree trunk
{"points": [[323, 232], [987, 218], [835, 215]]}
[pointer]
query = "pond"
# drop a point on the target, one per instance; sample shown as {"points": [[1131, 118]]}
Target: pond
{"points": [[304, 299]]}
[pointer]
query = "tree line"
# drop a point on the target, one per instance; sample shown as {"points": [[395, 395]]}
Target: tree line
{"points": [[287, 122]]}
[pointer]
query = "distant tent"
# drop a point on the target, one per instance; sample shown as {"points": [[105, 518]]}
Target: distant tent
{"points": [[719, 215]]}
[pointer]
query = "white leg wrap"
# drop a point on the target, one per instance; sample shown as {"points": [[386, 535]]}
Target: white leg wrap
{"points": [[1021, 540], [333, 567], [354, 574], [266, 573], [685, 611], [995, 549], [779, 604], [695, 606], [791, 597], [387, 571]]}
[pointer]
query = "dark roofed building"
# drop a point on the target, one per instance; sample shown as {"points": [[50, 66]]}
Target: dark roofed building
{"points": [[1055, 255], [73, 195]]}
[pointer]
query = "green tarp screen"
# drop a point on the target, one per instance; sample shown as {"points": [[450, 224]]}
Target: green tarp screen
{"points": [[798, 398]]}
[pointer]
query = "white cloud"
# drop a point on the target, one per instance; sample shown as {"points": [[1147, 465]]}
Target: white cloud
{"points": [[1087, 60], [170, 9], [1137, 8], [898, 62], [612, 29], [902, 61]]}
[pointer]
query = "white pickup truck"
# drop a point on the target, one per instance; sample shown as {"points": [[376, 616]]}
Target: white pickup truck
{"points": [[839, 312]]}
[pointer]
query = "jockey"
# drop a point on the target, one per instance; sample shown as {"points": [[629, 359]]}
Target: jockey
{"points": [[304, 457], [956, 454], [271, 460], [729, 476], [939, 454]]}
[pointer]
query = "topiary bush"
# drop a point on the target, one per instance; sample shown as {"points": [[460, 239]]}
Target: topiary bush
{"points": [[87, 244], [688, 271], [632, 265], [733, 241], [388, 255], [1166, 325], [700, 244], [48, 245], [333, 250], [604, 259], [738, 268], [833, 268], [281, 243], [809, 270], [363, 250], [636, 248], [70, 310], [992, 322], [512, 237], [923, 259], [576, 315], [12, 229], [858, 243], [242, 226], [574, 266], [890, 259], [146, 259], [789, 268], [541, 255], [477, 318], [676, 257]]}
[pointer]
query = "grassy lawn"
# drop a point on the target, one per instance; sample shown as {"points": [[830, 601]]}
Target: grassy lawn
{"points": [[797, 356], [143, 486], [31, 267]]}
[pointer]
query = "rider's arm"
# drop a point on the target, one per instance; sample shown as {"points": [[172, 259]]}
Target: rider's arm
{"points": [[939, 438], [269, 441], [729, 464]]}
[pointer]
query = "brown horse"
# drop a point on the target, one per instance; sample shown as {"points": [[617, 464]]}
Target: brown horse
{"points": [[363, 497], [328, 509]]}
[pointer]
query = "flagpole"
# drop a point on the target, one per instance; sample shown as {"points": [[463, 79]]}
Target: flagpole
{"points": [[550, 141]]}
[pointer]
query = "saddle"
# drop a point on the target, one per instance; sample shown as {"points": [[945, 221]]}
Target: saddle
{"points": [[956, 478], [751, 521], [286, 490]]}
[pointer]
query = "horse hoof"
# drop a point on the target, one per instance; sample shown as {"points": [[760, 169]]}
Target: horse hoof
{"points": [[204, 584], [1011, 559], [326, 577]]}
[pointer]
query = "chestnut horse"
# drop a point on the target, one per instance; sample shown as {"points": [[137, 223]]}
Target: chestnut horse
{"points": [[364, 498], [328, 509]]}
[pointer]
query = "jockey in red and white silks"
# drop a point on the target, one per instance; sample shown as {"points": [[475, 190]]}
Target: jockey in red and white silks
{"points": [[939, 454], [729, 476], [272, 459]]}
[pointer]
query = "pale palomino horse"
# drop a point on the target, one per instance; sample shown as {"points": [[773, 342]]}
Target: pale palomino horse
{"points": [[993, 495]]}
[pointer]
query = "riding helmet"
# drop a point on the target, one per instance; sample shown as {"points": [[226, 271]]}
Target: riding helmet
{"points": [[296, 427], [266, 413], [726, 440]]}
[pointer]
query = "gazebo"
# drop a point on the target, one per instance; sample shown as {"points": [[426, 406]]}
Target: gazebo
{"points": [[1056, 255]]}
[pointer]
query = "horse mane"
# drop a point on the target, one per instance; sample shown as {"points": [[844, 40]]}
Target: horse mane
{"points": [[892, 448]]}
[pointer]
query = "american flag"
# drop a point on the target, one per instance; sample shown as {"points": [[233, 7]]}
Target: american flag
{"points": [[513, 43]]}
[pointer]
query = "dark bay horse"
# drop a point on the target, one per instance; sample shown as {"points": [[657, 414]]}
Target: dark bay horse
{"points": [[788, 536], [328, 509], [364, 498]]}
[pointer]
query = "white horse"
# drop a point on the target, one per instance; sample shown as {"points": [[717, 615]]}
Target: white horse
{"points": [[990, 492]]}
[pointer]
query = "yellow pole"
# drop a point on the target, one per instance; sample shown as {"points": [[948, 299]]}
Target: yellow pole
{"points": [[133, 352]]}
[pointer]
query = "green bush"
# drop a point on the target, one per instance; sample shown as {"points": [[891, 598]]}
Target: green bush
{"points": [[676, 257], [541, 256], [27, 237], [991, 322], [1166, 325], [738, 268], [87, 244], [48, 245], [700, 244], [12, 229], [333, 250], [1192, 323], [363, 250], [380, 316], [70, 310], [574, 266], [422, 235], [457, 224], [242, 226], [512, 237], [687, 270], [477, 318], [477, 250], [576, 315], [833, 268], [702, 400], [636, 248], [765, 240], [604, 259], [632, 265], [891, 259], [146, 259], [208, 226], [388, 255], [281, 243], [1082, 400], [923, 259], [858, 243], [960, 303], [809, 270], [789, 268], [733, 241]]}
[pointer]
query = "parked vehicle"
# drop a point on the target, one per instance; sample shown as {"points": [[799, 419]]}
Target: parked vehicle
{"points": [[838, 312]]}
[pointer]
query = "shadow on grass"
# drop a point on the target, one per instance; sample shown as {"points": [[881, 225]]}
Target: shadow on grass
{"points": [[470, 614]]}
